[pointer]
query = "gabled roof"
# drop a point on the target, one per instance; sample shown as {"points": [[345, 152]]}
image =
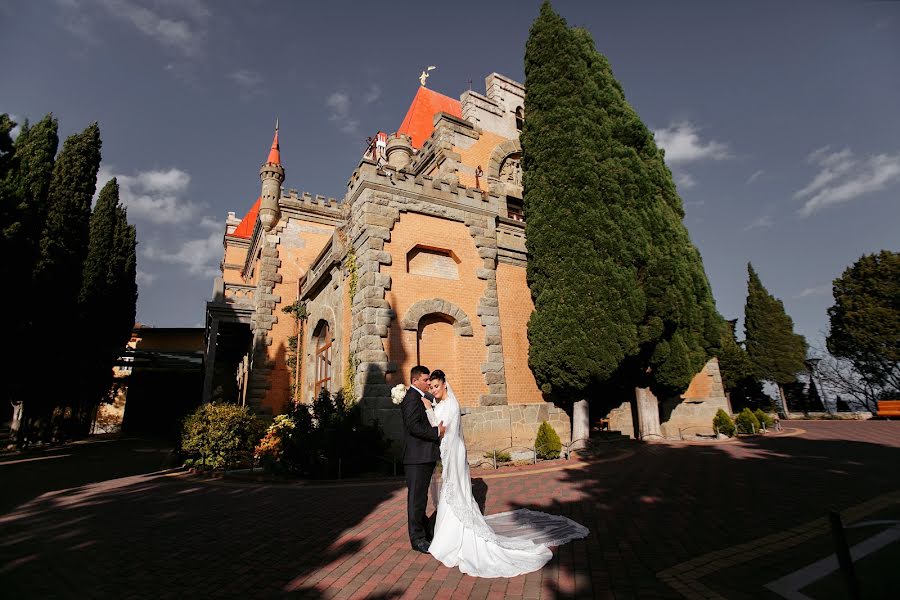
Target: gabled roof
{"points": [[245, 229], [419, 121]]}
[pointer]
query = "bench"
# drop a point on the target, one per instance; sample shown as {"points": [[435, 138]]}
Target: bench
{"points": [[889, 408]]}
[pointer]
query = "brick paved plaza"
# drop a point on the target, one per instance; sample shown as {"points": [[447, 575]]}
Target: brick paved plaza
{"points": [[666, 521]]}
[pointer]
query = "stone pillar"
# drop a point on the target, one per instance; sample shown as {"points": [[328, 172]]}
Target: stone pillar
{"points": [[263, 319], [209, 361], [484, 231], [648, 413], [581, 423]]}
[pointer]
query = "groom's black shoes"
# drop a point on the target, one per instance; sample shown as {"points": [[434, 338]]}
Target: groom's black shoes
{"points": [[421, 546]]}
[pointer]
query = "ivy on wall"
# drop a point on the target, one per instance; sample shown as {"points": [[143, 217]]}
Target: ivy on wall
{"points": [[295, 365]]}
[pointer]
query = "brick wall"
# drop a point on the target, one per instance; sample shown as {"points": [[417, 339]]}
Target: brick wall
{"points": [[409, 288], [515, 309]]}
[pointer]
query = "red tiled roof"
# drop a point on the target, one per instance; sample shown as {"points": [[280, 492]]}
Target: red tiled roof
{"points": [[419, 121], [245, 229]]}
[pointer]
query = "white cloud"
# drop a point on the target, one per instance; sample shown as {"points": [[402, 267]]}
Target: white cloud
{"points": [[843, 177], [155, 195], [821, 290], [247, 79], [207, 222], [199, 256], [339, 107], [755, 176], [684, 180], [763, 222], [372, 94], [682, 143], [144, 278], [178, 26]]}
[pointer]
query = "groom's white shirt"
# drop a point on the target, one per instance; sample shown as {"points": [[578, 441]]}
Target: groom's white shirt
{"points": [[421, 393]]}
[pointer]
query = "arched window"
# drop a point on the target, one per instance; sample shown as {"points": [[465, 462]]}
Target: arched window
{"points": [[520, 118], [323, 357]]}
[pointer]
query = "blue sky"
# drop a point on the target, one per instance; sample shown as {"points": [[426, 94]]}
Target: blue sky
{"points": [[780, 119]]}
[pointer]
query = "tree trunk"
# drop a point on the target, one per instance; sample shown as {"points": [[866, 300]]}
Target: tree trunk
{"points": [[648, 413], [581, 423], [784, 404]]}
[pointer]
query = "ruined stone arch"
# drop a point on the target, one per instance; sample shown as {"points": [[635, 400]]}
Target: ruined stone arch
{"points": [[500, 154], [461, 323]]}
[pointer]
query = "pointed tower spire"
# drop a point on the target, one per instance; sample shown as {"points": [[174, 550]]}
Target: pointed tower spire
{"points": [[272, 176], [275, 152]]}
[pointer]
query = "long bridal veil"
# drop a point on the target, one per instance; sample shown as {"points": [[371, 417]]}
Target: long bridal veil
{"points": [[500, 545]]}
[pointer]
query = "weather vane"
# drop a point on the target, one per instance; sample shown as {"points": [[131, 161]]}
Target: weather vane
{"points": [[425, 75]]}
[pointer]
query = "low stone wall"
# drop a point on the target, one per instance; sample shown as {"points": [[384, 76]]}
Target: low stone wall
{"points": [[689, 417], [490, 427]]}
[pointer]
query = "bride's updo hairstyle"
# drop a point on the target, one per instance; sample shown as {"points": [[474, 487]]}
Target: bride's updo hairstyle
{"points": [[439, 375]]}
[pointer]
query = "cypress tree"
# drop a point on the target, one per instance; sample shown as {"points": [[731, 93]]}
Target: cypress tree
{"points": [[108, 295], [64, 239], [28, 182], [777, 352], [24, 186], [618, 287], [579, 332], [63, 248]]}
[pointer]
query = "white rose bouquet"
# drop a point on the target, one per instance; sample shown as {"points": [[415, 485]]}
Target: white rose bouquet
{"points": [[397, 393]]}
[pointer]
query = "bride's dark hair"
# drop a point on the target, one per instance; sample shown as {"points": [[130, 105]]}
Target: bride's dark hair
{"points": [[438, 374]]}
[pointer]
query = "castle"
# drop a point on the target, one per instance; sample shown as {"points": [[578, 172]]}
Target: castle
{"points": [[422, 262]]}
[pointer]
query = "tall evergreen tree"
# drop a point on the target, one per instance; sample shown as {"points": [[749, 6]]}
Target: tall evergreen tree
{"points": [[579, 332], [63, 248], [618, 286], [24, 187], [64, 239], [777, 352], [108, 295]]}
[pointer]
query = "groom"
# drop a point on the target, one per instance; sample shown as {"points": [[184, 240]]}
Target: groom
{"points": [[420, 453]]}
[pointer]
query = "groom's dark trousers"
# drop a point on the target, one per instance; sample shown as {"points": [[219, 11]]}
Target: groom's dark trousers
{"points": [[421, 450]]}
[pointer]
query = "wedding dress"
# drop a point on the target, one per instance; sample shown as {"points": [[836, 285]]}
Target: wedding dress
{"points": [[501, 545]]}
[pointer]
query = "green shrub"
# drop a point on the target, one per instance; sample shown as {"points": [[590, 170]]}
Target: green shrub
{"points": [[502, 457], [764, 418], [315, 439], [723, 424], [746, 422], [221, 434], [547, 444]]}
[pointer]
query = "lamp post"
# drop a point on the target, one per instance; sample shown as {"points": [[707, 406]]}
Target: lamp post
{"points": [[812, 364]]}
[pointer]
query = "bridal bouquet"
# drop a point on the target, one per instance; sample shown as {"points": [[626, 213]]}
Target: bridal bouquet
{"points": [[397, 393]]}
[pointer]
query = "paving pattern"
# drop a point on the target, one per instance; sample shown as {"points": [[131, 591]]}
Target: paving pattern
{"points": [[666, 521]]}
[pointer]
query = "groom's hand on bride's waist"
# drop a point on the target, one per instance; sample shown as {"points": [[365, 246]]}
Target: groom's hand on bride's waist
{"points": [[441, 429]]}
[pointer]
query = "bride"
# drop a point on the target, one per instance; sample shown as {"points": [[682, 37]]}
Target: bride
{"points": [[501, 545]]}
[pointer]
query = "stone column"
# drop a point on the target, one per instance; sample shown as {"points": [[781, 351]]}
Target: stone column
{"points": [[484, 231], [648, 413], [581, 423], [263, 319], [209, 361]]}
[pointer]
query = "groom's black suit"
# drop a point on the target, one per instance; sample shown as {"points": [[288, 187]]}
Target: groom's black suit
{"points": [[421, 450]]}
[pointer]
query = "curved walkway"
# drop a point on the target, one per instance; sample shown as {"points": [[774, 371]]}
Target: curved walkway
{"points": [[649, 512]]}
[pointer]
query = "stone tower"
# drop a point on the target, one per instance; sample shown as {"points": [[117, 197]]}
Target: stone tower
{"points": [[272, 176]]}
